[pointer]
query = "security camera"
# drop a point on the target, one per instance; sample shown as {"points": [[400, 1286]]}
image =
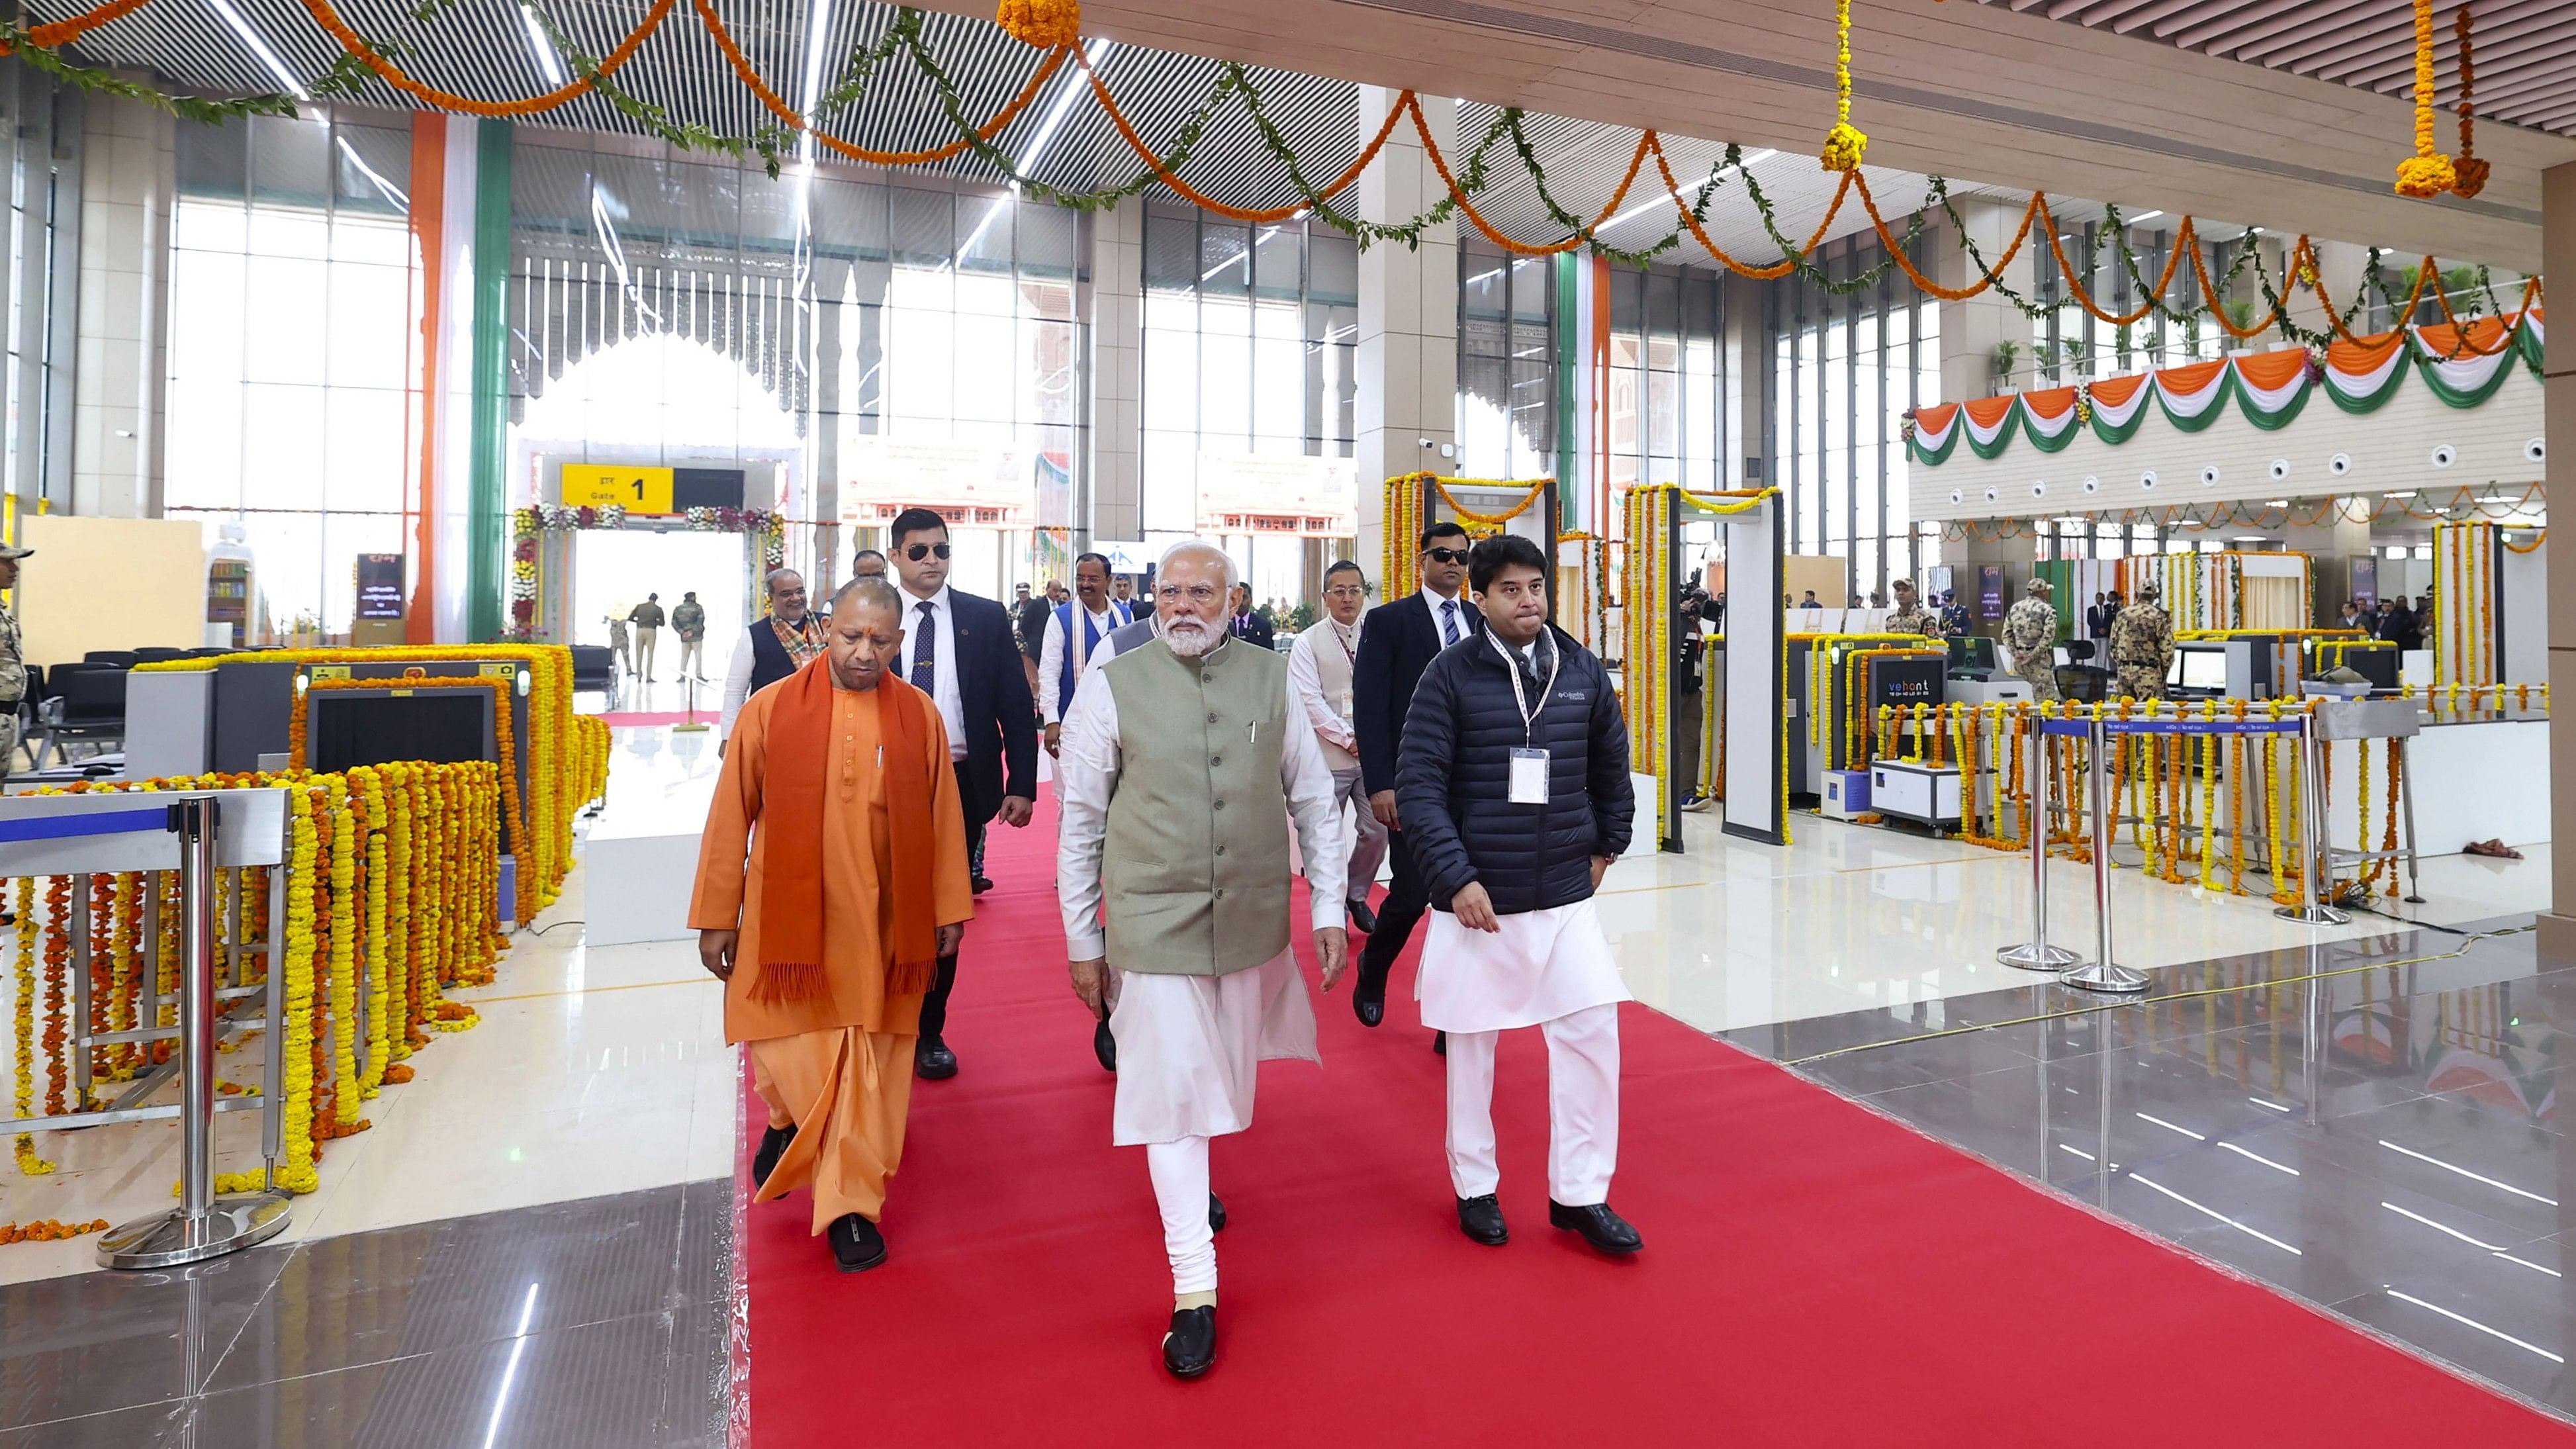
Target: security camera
{"points": [[1425, 442]]}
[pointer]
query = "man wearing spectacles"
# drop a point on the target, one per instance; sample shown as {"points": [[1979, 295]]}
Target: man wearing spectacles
{"points": [[1320, 663], [1397, 642], [958, 649]]}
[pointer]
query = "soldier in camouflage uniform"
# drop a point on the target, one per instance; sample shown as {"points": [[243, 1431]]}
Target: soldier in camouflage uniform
{"points": [[13, 663], [2142, 646], [2030, 632], [1909, 617]]}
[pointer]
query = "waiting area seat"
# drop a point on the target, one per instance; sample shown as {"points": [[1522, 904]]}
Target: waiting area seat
{"points": [[594, 670], [81, 703]]}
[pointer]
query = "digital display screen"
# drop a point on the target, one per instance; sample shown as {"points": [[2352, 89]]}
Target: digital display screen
{"points": [[2202, 669], [1990, 591], [1972, 653], [380, 586]]}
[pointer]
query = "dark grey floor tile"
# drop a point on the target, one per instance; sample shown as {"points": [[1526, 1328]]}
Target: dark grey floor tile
{"points": [[118, 1429], [93, 1342], [2429, 1318], [350, 1300]]}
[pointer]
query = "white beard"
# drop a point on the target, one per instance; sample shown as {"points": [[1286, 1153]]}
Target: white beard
{"points": [[1190, 638]]}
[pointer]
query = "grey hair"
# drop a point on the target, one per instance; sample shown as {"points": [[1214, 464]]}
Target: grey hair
{"points": [[1199, 545], [771, 583], [870, 591]]}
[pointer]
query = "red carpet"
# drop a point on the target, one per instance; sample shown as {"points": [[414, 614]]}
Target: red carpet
{"points": [[1813, 1274], [620, 718]]}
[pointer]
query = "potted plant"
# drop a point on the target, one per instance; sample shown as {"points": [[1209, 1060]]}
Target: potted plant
{"points": [[2006, 354], [2242, 314]]}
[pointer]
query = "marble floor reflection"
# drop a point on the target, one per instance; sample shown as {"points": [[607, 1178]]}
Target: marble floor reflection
{"points": [[2369, 1124], [593, 1324]]}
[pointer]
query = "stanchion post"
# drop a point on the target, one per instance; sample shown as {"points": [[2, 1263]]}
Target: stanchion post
{"points": [[2036, 954], [2104, 974], [203, 1225], [2315, 852]]}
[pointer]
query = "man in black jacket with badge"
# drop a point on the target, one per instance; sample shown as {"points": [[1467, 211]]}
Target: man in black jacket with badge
{"points": [[1397, 640], [1512, 783]]}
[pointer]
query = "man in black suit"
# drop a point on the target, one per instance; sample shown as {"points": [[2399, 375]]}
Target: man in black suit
{"points": [[1397, 640], [958, 649], [1248, 623]]}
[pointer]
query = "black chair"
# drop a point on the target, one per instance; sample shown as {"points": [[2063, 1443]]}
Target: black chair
{"points": [[212, 651], [121, 658], [87, 706], [150, 652], [594, 668]]}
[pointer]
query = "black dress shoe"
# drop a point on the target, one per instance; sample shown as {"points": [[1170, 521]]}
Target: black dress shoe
{"points": [[857, 1246], [1363, 918], [1605, 1230], [1189, 1349], [1481, 1218], [1440, 1043], [772, 1143], [1368, 996], [932, 1061], [1105, 1047], [980, 883], [1216, 1214]]}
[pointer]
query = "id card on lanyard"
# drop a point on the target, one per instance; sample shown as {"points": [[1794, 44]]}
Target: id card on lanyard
{"points": [[1528, 782]]}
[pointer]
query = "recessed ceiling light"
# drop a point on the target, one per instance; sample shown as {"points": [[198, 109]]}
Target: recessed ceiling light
{"points": [[2408, 494]]}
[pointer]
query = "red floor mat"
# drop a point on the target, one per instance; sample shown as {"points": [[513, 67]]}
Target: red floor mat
{"points": [[1813, 1274]]}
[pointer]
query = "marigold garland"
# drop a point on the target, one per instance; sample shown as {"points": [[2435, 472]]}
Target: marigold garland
{"points": [[25, 1038], [2468, 172], [1845, 142], [2428, 172]]}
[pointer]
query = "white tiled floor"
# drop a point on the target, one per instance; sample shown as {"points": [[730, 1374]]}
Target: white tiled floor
{"points": [[604, 1069]]}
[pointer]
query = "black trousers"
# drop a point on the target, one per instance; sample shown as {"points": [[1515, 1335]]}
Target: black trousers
{"points": [[934, 1003], [1398, 913]]}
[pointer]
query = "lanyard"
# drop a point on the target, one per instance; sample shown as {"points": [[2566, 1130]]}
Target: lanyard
{"points": [[1336, 627], [1529, 718]]}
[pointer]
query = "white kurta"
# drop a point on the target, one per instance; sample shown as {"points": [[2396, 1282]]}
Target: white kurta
{"points": [[1197, 1040], [1540, 966]]}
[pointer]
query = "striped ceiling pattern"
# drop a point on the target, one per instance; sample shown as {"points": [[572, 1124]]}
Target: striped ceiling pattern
{"points": [[483, 49], [2524, 50]]}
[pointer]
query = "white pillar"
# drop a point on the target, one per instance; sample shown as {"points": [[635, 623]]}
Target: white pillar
{"points": [[1971, 330], [1407, 367], [1117, 370], [120, 392], [2558, 257]]}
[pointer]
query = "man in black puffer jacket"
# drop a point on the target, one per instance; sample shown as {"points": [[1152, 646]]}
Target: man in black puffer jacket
{"points": [[1512, 783]]}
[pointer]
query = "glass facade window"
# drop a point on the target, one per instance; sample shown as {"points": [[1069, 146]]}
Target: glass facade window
{"points": [[291, 350], [1845, 370], [1668, 378], [1250, 347], [2072, 345], [1508, 374]]}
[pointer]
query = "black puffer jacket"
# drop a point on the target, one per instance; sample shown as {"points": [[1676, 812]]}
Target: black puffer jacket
{"points": [[1453, 775]]}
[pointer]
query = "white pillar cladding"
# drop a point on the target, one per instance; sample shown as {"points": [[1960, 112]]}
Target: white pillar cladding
{"points": [[129, 187], [1971, 330], [1407, 370], [1117, 370], [2558, 258]]}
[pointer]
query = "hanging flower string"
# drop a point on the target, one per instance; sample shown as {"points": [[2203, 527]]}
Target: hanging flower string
{"points": [[1045, 24], [1845, 142], [2428, 172], [2468, 173]]}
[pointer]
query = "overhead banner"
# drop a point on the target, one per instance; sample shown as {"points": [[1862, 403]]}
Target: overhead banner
{"points": [[992, 485], [1278, 493]]}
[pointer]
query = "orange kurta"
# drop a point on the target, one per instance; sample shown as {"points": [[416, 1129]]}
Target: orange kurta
{"points": [[855, 871]]}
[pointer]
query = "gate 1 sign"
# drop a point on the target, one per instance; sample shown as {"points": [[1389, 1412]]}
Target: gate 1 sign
{"points": [[636, 489]]}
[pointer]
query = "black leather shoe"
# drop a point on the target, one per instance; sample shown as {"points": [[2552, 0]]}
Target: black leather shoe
{"points": [[1189, 1349], [1216, 1214], [1363, 918], [1440, 1043], [981, 884], [773, 1142], [857, 1246], [1105, 1047], [1481, 1218], [1605, 1230], [932, 1061], [1368, 996]]}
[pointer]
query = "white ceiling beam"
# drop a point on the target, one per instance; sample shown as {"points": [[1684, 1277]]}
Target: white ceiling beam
{"points": [[2288, 24]]}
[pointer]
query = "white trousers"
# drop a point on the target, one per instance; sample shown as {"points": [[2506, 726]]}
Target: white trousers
{"points": [[644, 648], [1582, 1108], [1180, 1171], [693, 657]]}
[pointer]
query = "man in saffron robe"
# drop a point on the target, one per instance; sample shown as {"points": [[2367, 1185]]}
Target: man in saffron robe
{"points": [[829, 928]]}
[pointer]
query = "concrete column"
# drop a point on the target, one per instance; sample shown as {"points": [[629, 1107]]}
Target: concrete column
{"points": [[120, 393], [2339, 270], [1117, 372], [2558, 256], [1970, 330], [1407, 368], [1749, 375]]}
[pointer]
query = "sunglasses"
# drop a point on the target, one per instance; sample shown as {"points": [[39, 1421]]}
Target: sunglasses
{"points": [[920, 551], [1447, 555]]}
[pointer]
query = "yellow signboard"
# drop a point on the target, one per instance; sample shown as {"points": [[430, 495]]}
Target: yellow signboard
{"points": [[330, 671], [634, 488]]}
